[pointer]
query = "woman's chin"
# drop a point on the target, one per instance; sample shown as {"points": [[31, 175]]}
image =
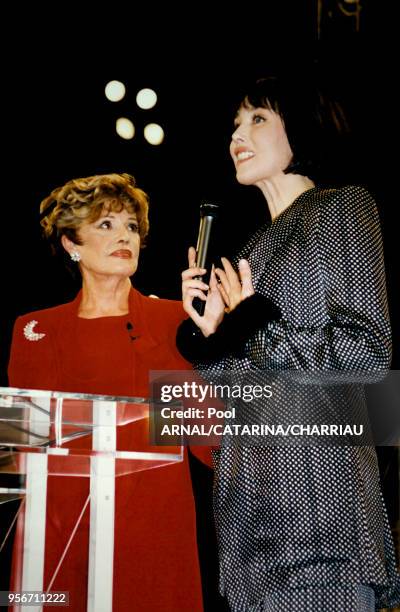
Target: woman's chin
{"points": [[244, 179], [123, 269]]}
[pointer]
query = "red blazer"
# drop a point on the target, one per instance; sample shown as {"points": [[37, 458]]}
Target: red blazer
{"points": [[156, 565], [54, 361]]}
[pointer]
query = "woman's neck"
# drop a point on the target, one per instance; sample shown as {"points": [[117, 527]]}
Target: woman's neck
{"points": [[281, 191], [107, 297]]}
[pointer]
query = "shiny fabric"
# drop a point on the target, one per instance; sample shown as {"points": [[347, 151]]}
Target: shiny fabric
{"points": [[293, 518]]}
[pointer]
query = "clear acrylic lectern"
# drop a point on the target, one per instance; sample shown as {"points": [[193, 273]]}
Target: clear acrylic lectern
{"points": [[67, 434]]}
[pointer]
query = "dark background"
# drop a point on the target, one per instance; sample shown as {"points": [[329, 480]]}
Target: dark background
{"points": [[57, 125]]}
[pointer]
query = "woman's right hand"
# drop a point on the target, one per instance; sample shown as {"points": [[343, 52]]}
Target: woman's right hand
{"points": [[193, 287]]}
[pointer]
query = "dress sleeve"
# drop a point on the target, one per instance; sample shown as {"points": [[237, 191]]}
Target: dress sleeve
{"points": [[231, 335], [355, 333]]}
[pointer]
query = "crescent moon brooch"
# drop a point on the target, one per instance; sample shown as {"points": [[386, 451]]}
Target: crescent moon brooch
{"points": [[30, 334]]}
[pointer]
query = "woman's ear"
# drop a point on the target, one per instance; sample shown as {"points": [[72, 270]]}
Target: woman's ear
{"points": [[67, 244]]}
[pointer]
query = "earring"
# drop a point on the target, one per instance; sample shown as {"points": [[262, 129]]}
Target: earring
{"points": [[75, 256]]}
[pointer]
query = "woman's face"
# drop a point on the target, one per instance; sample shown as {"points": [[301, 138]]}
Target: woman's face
{"points": [[259, 148], [110, 245]]}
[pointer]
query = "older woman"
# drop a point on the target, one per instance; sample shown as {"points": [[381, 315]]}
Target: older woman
{"points": [[105, 341]]}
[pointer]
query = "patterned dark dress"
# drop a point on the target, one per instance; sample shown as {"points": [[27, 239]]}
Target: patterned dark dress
{"points": [[305, 527]]}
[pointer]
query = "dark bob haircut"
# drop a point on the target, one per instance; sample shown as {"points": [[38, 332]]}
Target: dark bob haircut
{"points": [[315, 124]]}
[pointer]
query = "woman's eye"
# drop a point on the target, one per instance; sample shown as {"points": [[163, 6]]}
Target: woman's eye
{"points": [[105, 225], [258, 119], [133, 227]]}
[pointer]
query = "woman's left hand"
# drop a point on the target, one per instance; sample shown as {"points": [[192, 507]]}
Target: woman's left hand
{"points": [[234, 288]]}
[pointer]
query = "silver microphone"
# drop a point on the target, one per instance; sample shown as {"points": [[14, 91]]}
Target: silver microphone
{"points": [[208, 214]]}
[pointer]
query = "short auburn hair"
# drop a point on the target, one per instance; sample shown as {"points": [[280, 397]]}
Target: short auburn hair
{"points": [[84, 200]]}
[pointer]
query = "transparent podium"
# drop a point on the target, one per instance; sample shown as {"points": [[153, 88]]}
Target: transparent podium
{"points": [[44, 433]]}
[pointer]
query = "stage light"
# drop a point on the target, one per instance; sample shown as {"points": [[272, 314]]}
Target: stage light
{"points": [[154, 134], [146, 98], [115, 91], [125, 128]]}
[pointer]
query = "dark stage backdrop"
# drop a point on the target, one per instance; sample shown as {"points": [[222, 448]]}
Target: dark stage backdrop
{"points": [[58, 124]]}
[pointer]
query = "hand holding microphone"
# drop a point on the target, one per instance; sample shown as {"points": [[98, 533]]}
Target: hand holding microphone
{"points": [[208, 293], [206, 311]]}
